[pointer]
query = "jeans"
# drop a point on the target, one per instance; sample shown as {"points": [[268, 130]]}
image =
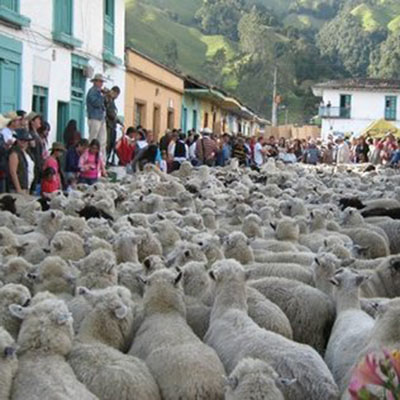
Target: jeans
{"points": [[111, 137], [88, 181]]}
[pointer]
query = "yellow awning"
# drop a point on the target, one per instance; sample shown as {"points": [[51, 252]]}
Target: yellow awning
{"points": [[380, 128]]}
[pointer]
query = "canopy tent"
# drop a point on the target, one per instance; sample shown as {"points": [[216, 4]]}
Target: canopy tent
{"points": [[380, 128]]}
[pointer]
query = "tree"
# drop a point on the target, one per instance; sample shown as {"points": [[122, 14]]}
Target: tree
{"points": [[171, 53], [385, 62]]}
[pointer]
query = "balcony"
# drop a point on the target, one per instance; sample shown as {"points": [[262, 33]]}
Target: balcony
{"points": [[13, 18], [335, 112]]}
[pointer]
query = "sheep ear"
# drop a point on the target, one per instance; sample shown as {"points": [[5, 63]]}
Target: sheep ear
{"points": [[232, 382], [52, 214], [121, 312], [317, 261], [273, 226], [212, 275], [187, 253], [147, 263], [286, 381], [17, 311], [57, 246], [334, 281], [63, 318], [325, 243], [247, 275], [178, 277]]}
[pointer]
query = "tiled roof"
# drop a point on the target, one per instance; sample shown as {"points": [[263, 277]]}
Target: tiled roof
{"points": [[361, 83]]}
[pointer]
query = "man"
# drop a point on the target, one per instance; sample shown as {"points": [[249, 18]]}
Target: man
{"points": [[180, 152], [9, 131], [111, 121], [206, 149], [4, 147], [343, 152], [96, 111]]}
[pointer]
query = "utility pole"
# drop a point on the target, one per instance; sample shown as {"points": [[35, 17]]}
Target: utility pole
{"points": [[274, 103]]}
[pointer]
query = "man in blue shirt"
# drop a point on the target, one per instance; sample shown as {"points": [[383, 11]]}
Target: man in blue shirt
{"points": [[96, 113]]}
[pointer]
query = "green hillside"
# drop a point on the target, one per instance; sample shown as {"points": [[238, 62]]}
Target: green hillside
{"points": [[237, 43]]}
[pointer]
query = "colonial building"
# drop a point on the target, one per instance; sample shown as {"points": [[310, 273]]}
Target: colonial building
{"points": [[153, 94], [49, 50], [351, 105]]}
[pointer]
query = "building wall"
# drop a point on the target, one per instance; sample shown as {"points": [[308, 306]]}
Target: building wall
{"points": [[192, 104], [366, 107], [48, 64], [152, 86], [208, 107]]}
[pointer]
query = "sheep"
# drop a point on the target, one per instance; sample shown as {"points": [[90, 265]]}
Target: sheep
{"points": [[235, 336], [384, 281], [148, 244], [392, 229], [209, 220], [12, 293], [210, 245], [96, 356], [301, 258], [164, 338], [296, 299], [125, 247], [44, 340], [351, 328], [8, 363], [183, 253], [55, 275], [97, 270], [324, 267], [252, 226], [94, 243], [75, 224], [167, 234], [255, 379], [67, 245], [237, 247], [16, 270], [285, 270]]}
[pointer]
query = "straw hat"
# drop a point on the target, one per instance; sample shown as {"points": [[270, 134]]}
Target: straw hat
{"points": [[12, 115], [32, 115], [57, 146], [98, 77], [4, 121]]}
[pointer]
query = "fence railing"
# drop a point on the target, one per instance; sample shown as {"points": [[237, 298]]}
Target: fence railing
{"points": [[334, 112]]}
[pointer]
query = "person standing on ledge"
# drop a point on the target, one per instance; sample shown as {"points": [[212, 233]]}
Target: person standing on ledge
{"points": [[97, 112]]}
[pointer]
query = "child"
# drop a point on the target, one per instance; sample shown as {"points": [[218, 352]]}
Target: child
{"points": [[49, 182], [163, 162], [91, 164]]}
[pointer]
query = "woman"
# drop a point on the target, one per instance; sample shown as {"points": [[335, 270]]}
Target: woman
{"points": [[91, 164], [21, 166], [53, 182], [36, 149], [298, 149], [71, 134], [43, 133], [362, 150]]}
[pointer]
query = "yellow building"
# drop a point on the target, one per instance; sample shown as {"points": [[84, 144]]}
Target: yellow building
{"points": [[153, 94]]}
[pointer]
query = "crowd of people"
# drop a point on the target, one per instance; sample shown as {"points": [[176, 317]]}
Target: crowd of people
{"points": [[28, 164]]}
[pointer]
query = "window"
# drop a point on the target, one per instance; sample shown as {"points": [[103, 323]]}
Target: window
{"points": [[184, 119], [170, 119], [139, 114], [194, 123], [156, 121], [205, 120], [108, 32], [391, 108], [39, 100], [9, 12], [63, 23], [62, 119], [10, 74], [345, 106]]}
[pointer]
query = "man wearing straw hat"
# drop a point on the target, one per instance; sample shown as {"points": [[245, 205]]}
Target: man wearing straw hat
{"points": [[96, 113]]}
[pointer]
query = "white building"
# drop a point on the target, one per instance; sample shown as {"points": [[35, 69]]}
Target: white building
{"points": [[351, 105], [49, 50]]}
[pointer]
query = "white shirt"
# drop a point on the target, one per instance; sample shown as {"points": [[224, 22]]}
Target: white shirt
{"points": [[31, 168], [141, 144], [179, 159], [258, 156], [343, 154], [192, 151]]}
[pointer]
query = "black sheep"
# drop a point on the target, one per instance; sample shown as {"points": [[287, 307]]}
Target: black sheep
{"points": [[352, 202], [89, 212], [393, 213], [44, 203], [7, 203]]}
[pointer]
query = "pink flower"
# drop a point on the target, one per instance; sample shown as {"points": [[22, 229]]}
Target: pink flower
{"points": [[394, 358], [354, 388], [367, 372]]}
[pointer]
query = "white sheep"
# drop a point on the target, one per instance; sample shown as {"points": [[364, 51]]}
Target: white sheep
{"points": [[255, 379], [235, 336], [164, 338], [237, 246], [351, 328], [44, 340], [8, 363], [126, 247], [67, 245], [12, 294], [96, 356]]}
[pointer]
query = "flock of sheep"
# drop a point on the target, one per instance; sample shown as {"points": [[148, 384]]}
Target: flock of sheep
{"points": [[205, 284]]}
